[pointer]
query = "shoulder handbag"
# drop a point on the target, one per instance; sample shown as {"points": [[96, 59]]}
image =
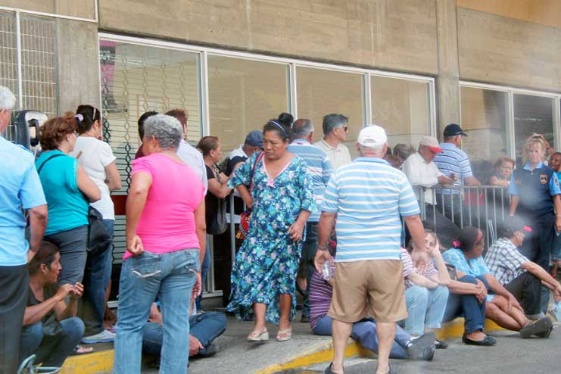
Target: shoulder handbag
{"points": [[246, 214], [219, 224], [98, 238]]}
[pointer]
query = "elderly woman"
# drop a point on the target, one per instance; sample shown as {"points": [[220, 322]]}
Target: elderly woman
{"points": [[68, 190], [263, 278], [536, 198], [502, 307], [98, 161], [51, 329], [165, 234]]}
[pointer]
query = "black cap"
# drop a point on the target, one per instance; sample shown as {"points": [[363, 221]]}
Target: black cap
{"points": [[513, 224], [453, 130]]}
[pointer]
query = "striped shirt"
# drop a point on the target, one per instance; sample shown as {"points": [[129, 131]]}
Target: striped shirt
{"points": [[453, 160], [504, 261], [369, 197], [319, 167], [320, 297]]}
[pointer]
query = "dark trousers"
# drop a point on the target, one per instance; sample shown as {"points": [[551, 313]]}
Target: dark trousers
{"points": [[444, 228], [526, 288], [14, 283], [309, 249], [468, 306]]}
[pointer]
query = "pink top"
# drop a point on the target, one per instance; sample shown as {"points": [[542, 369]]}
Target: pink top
{"points": [[167, 222]]}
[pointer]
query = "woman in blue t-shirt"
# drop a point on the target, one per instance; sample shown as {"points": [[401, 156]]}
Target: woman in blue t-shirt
{"points": [[68, 191]]}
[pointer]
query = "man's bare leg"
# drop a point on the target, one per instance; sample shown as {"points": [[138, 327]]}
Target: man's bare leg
{"points": [[386, 335], [341, 333]]}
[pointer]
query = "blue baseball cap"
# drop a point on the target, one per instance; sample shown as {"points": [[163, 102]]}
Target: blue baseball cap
{"points": [[254, 139]]}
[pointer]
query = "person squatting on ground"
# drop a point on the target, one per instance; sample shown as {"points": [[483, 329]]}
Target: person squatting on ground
{"points": [[264, 275], [426, 291], [522, 277], [165, 234], [20, 189], [364, 331], [501, 307], [98, 161], [368, 197], [204, 328], [319, 168], [51, 329]]}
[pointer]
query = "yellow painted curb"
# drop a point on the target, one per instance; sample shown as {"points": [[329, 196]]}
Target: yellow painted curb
{"points": [[450, 330], [96, 362], [102, 362]]}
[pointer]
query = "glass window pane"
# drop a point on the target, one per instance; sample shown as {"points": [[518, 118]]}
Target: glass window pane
{"points": [[484, 117], [402, 107], [321, 92], [136, 79], [243, 96], [532, 114]]}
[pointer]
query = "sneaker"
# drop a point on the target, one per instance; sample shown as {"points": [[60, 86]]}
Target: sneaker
{"points": [[209, 351], [440, 344], [103, 337], [542, 326], [422, 348]]}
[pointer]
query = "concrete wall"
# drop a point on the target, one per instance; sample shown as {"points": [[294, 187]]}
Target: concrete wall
{"points": [[72, 8], [389, 34], [507, 51]]}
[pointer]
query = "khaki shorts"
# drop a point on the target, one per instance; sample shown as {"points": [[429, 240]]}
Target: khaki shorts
{"points": [[368, 288]]}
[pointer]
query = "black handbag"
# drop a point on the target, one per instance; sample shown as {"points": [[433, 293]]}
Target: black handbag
{"points": [[98, 238], [218, 224]]}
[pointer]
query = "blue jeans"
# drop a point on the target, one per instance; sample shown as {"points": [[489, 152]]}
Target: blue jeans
{"points": [[72, 246], [96, 279], [206, 327], [48, 350], [425, 307], [468, 306], [204, 273], [309, 249], [365, 332], [170, 277]]}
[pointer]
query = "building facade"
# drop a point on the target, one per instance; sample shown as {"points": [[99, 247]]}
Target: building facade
{"points": [[411, 66]]}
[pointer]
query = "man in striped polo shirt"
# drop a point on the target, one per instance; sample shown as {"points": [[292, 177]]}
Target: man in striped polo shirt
{"points": [[453, 163], [368, 197], [320, 169]]}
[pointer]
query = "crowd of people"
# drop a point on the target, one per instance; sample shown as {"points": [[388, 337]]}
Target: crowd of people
{"points": [[347, 234]]}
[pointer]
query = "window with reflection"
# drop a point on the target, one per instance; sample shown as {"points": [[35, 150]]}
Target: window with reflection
{"points": [[321, 92], [484, 118], [243, 96], [402, 107], [532, 114]]}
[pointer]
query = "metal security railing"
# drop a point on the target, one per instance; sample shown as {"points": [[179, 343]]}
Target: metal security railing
{"points": [[483, 207]]}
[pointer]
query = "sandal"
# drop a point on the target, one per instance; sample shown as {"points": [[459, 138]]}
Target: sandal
{"points": [[81, 350], [284, 335], [258, 335]]}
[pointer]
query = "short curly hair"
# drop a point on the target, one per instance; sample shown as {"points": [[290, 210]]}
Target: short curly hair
{"points": [[55, 129]]}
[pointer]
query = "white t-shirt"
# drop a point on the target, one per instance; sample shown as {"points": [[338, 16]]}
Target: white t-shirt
{"points": [[94, 156], [192, 157]]}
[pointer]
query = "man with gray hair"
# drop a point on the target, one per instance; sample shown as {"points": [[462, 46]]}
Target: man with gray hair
{"points": [[368, 197], [335, 128], [320, 169], [20, 187]]}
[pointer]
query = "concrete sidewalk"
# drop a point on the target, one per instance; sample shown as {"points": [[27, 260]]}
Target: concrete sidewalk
{"points": [[237, 355]]}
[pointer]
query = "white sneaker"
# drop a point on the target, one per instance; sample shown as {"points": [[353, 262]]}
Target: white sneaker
{"points": [[103, 337]]}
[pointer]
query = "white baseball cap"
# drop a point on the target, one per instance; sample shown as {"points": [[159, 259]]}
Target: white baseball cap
{"points": [[372, 136]]}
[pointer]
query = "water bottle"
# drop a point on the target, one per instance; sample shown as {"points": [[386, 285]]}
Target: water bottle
{"points": [[326, 271]]}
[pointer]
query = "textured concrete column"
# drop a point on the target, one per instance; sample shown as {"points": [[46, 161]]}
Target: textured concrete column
{"points": [[78, 64], [447, 83]]}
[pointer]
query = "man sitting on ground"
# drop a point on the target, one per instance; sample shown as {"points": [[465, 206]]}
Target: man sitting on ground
{"points": [[204, 329], [364, 331], [522, 277]]}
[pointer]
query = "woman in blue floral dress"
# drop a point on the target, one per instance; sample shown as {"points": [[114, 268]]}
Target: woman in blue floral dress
{"points": [[263, 277]]}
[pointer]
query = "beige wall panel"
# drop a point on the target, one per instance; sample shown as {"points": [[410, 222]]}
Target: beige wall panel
{"points": [[544, 12], [73, 8], [78, 64], [397, 35], [505, 51]]}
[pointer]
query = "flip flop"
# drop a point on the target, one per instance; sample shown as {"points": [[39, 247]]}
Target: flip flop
{"points": [[81, 350]]}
